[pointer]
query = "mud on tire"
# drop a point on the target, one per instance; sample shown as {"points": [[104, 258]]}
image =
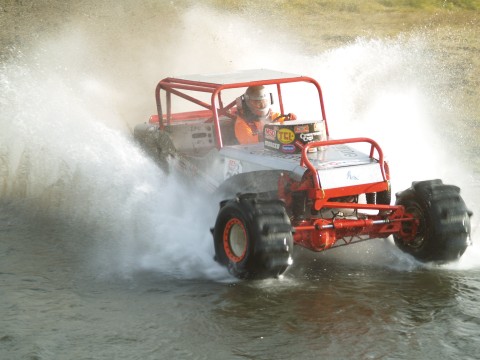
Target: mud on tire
{"points": [[253, 238], [444, 229]]}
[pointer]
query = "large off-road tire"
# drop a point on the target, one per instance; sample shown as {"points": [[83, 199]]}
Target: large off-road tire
{"points": [[253, 238], [381, 198], [444, 229], [156, 143]]}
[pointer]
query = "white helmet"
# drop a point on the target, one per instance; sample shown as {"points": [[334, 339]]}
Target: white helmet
{"points": [[258, 100]]}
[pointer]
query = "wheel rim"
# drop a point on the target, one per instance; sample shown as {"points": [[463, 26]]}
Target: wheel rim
{"points": [[235, 240], [419, 240]]}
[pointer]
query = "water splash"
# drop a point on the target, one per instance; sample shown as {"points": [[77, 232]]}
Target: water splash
{"points": [[67, 152], [61, 161]]}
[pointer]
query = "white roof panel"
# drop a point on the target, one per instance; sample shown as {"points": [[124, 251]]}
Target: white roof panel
{"points": [[238, 76]]}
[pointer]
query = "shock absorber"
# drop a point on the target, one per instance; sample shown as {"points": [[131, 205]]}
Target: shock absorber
{"points": [[299, 205]]}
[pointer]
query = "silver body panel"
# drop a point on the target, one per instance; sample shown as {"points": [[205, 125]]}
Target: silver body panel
{"points": [[337, 165]]}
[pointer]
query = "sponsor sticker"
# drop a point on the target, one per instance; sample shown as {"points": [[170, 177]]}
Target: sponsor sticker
{"points": [[309, 137], [299, 144], [232, 167], [288, 148], [351, 176], [299, 129], [272, 145], [270, 133], [285, 136]]}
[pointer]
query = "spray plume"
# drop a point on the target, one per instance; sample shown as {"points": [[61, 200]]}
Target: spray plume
{"points": [[66, 148]]}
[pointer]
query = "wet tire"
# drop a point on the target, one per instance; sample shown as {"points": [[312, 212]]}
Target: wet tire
{"points": [[156, 143], [381, 198], [444, 229], [253, 238]]}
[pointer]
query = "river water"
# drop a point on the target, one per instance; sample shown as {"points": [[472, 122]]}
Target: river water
{"points": [[103, 256]]}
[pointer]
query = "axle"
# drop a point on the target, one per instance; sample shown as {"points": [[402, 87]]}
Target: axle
{"points": [[322, 234]]}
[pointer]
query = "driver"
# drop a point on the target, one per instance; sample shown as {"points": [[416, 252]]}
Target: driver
{"points": [[254, 110]]}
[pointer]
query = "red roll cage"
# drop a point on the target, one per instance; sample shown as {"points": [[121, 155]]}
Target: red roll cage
{"points": [[215, 84]]}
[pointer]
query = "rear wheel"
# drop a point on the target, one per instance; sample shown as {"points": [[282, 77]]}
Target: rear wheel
{"points": [[156, 143], [444, 229], [253, 238]]}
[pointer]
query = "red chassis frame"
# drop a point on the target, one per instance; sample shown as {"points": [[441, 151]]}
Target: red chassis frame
{"points": [[316, 234], [320, 234]]}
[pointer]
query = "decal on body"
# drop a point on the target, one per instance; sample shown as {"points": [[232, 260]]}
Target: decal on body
{"points": [[272, 144], [286, 136], [300, 129], [310, 136], [232, 167], [270, 134]]}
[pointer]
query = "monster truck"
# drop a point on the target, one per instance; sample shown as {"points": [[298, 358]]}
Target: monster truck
{"points": [[297, 186]]}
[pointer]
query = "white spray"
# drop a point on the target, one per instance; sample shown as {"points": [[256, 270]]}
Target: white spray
{"points": [[66, 149]]}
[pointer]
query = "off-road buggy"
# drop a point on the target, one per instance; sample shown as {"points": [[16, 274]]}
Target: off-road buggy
{"points": [[298, 186]]}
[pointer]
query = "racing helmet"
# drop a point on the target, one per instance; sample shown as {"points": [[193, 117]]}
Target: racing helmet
{"points": [[258, 100]]}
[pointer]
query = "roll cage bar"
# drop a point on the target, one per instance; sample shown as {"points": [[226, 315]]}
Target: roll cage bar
{"points": [[215, 84]]}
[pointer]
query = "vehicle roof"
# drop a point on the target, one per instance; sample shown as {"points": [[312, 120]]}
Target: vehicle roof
{"points": [[240, 76]]}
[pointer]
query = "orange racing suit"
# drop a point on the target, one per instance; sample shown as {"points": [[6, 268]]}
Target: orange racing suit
{"points": [[251, 132]]}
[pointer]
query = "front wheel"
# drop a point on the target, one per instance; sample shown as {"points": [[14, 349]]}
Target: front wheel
{"points": [[444, 221], [253, 238], [381, 198]]}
